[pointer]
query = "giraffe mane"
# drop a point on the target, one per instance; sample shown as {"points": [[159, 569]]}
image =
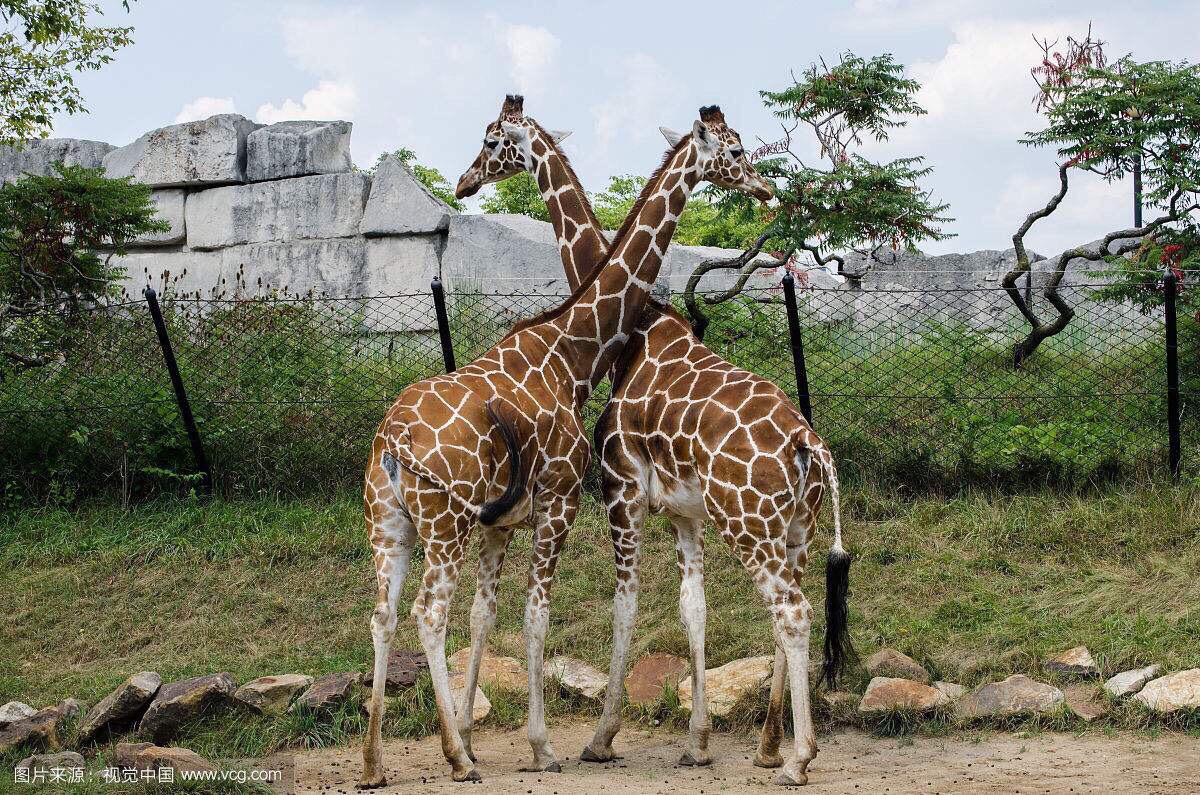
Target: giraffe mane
{"points": [[647, 190], [587, 205]]}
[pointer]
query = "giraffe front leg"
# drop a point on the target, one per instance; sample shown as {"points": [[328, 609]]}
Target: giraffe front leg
{"points": [[689, 547], [550, 534], [392, 537], [493, 543], [626, 518]]}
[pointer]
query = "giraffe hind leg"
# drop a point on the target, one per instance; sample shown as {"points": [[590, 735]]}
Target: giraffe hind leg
{"points": [[689, 546]]}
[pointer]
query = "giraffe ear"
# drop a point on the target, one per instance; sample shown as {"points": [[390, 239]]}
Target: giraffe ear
{"points": [[703, 137], [560, 135], [673, 138], [514, 132]]}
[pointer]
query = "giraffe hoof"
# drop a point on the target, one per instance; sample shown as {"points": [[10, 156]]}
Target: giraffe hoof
{"points": [[588, 755], [372, 782], [768, 761], [692, 760], [553, 767], [470, 775], [786, 779]]}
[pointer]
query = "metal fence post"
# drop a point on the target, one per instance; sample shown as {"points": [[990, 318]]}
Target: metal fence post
{"points": [[443, 321], [181, 398], [1172, 350], [793, 315]]}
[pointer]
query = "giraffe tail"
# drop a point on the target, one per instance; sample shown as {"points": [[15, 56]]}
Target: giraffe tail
{"points": [[839, 651], [492, 510]]}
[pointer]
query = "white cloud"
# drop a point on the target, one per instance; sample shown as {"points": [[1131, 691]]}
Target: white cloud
{"points": [[532, 52], [203, 107], [331, 99], [648, 91]]}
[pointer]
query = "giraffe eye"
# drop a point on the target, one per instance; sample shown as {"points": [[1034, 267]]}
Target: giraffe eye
{"points": [[491, 144], [736, 153]]}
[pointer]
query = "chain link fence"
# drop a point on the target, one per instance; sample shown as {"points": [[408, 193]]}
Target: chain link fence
{"points": [[913, 387]]}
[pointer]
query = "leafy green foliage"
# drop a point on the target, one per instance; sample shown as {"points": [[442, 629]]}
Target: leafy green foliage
{"points": [[44, 46], [52, 232], [703, 223], [519, 194], [430, 177]]}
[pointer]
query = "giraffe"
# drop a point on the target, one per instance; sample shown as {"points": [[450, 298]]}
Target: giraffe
{"points": [[514, 143], [500, 443]]}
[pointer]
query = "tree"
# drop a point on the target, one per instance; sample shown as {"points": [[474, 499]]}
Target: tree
{"points": [[431, 178], [58, 235], [1108, 118], [44, 46], [844, 201], [519, 194], [701, 224]]}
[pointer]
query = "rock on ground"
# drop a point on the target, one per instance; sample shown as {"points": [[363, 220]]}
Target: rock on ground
{"points": [[1127, 683], [891, 663], [120, 708], [481, 707], [327, 693], [840, 699], [207, 152], [1082, 701], [305, 208], [651, 674], [727, 684], [297, 149], [38, 157], [271, 695], [179, 702], [400, 205], [953, 691], [505, 673], [403, 668], [39, 729], [64, 760], [14, 711], [1173, 692], [886, 694], [1015, 695], [578, 677], [147, 756], [1074, 662]]}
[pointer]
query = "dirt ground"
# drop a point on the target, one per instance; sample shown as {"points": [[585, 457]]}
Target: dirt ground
{"points": [[848, 762]]}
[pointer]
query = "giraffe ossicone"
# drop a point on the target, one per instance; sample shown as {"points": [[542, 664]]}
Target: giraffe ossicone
{"points": [[463, 439]]}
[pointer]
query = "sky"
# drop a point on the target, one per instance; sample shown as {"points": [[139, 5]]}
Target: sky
{"points": [[430, 76]]}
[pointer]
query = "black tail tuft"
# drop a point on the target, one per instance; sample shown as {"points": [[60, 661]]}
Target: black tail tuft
{"points": [[489, 512], [838, 650]]}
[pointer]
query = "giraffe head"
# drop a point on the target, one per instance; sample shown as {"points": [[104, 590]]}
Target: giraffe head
{"points": [[723, 160], [507, 148]]}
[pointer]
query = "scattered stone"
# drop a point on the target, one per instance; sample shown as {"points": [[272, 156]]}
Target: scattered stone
{"points": [[885, 694], [327, 693], [1013, 696], [1127, 683], [652, 674], [179, 702], [305, 208], [64, 760], [39, 729], [297, 149], [1074, 662], [505, 673], [120, 708], [403, 668], [271, 695], [953, 692], [893, 664], [39, 157], [481, 707], [1082, 700], [208, 152], [400, 205], [168, 204], [725, 685], [1172, 692], [147, 756], [578, 677], [14, 711], [841, 699]]}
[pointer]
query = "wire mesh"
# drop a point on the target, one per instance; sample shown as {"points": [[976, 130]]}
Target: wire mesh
{"points": [[906, 385]]}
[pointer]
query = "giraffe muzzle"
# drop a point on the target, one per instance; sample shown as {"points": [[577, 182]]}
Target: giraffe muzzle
{"points": [[468, 185]]}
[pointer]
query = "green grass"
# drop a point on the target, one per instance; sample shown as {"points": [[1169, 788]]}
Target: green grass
{"points": [[975, 587]]}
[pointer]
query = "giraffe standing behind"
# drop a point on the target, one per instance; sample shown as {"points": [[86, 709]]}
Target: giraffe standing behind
{"points": [[501, 442], [661, 370]]}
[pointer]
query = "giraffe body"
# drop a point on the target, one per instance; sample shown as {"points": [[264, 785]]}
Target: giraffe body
{"points": [[451, 448], [691, 436]]}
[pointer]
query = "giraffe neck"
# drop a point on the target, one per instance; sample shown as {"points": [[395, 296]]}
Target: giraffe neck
{"points": [[581, 244], [594, 324]]}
